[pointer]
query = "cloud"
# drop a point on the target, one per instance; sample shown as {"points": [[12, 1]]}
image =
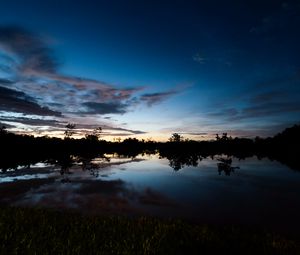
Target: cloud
{"points": [[214, 59], [32, 121], [5, 82], [229, 112], [275, 99], [92, 88], [32, 84], [199, 59], [44, 126], [193, 133], [108, 129], [37, 74], [155, 98], [267, 96], [36, 59], [281, 84], [268, 109], [6, 125], [262, 105], [31, 50], [104, 108], [135, 132], [7, 63], [17, 101], [266, 130]]}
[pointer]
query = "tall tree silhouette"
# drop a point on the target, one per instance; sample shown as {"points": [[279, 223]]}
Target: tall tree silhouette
{"points": [[70, 130], [176, 138], [3, 130], [94, 135]]}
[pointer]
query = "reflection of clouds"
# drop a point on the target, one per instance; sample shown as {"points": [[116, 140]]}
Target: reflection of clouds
{"points": [[11, 192], [100, 186], [91, 196], [23, 177], [26, 173], [152, 197], [55, 195]]}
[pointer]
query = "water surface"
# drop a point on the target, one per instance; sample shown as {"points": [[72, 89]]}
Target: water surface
{"points": [[248, 191]]}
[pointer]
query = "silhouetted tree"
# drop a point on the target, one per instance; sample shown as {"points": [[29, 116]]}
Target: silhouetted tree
{"points": [[118, 139], [95, 135], [224, 137], [3, 130], [176, 138], [70, 130], [14, 148]]}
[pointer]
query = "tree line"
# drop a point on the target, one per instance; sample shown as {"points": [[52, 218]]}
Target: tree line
{"points": [[15, 148]]}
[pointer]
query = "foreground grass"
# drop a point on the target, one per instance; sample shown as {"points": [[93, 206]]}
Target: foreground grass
{"points": [[36, 231]]}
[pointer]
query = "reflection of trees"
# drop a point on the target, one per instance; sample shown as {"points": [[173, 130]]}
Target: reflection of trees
{"points": [[225, 166], [89, 163], [92, 165], [65, 162], [14, 148], [178, 161]]}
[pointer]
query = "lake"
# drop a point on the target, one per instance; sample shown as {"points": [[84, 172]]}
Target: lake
{"points": [[214, 190]]}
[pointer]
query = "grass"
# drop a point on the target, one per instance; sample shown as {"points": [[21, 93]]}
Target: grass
{"points": [[39, 231]]}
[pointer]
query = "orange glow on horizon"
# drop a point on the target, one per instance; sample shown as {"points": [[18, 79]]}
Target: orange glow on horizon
{"points": [[157, 137]]}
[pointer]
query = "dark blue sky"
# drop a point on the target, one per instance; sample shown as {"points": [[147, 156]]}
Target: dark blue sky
{"points": [[150, 68]]}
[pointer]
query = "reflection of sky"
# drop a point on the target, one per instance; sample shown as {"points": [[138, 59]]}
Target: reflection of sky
{"points": [[258, 192], [23, 177], [148, 70]]}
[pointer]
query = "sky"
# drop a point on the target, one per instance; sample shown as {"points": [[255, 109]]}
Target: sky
{"points": [[147, 69]]}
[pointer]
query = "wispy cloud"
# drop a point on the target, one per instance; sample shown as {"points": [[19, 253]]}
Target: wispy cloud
{"points": [[5, 82], [32, 121], [200, 59], [45, 126], [194, 133], [32, 84], [261, 106], [214, 60], [267, 110], [256, 110], [110, 129], [158, 97], [36, 74], [31, 51], [104, 108], [17, 101]]}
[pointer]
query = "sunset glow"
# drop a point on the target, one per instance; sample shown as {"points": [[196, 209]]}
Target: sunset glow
{"points": [[148, 69]]}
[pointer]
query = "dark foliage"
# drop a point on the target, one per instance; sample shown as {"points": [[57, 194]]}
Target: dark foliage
{"points": [[24, 150], [35, 231]]}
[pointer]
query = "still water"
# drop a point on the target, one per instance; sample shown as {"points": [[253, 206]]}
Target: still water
{"points": [[210, 190]]}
